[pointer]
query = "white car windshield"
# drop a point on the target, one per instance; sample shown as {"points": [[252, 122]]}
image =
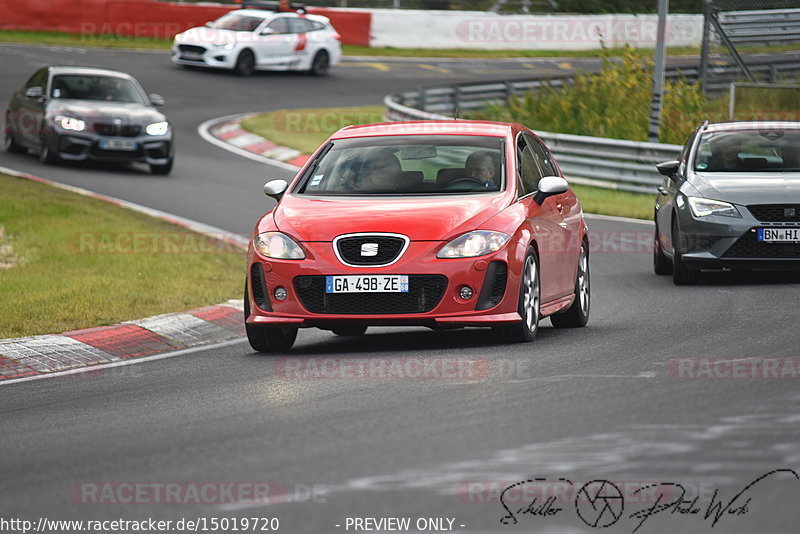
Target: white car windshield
{"points": [[749, 151], [237, 22], [416, 165]]}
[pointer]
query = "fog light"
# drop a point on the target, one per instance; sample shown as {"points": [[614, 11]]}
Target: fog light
{"points": [[465, 292], [280, 293]]}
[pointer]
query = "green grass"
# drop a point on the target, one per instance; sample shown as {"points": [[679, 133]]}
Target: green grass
{"points": [[69, 262], [306, 129], [618, 203]]}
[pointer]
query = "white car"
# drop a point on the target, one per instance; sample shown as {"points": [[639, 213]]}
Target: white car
{"points": [[247, 40]]}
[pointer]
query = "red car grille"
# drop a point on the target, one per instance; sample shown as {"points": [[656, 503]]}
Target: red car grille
{"points": [[388, 248], [424, 294]]}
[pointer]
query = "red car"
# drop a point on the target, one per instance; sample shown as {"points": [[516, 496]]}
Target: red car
{"points": [[434, 223]]}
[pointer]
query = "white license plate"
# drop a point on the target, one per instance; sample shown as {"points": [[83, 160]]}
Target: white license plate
{"points": [[779, 235], [118, 144], [370, 283], [192, 55]]}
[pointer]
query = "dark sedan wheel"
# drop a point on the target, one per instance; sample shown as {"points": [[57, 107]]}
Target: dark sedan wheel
{"points": [[46, 154], [661, 263], [162, 169], [10, 140], [267, 339], [529, 304], [321, 64], [682, 275], [577, 315], [245, 63]]}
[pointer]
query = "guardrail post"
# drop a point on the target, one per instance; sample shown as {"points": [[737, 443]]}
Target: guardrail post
{"points": [[456, 101], [509, 90]]}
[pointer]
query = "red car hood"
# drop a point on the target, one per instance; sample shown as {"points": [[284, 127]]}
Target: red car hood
{"points": [[421, 219]]}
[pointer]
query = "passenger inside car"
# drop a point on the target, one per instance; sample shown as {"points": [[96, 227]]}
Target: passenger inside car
{"points": [[725, 155]]}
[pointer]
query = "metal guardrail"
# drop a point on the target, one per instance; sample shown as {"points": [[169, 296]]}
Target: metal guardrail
{"points": [[762, 27], [608, 163]]}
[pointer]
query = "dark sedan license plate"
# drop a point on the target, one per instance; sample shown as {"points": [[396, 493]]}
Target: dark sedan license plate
{"points": [[369, 283], [779, 235], [118, 144]]}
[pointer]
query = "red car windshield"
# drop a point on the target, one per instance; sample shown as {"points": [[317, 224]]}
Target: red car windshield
{"points": [[419, 165]]}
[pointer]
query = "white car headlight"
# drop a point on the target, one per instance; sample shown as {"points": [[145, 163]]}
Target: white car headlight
{"points": [[473, 244], [703, 207], [70, 123], [278, 245], [157, 128], [226, 46]]}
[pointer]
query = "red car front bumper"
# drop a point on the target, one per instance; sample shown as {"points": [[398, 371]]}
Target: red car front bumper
{"points": [[433, 299]]}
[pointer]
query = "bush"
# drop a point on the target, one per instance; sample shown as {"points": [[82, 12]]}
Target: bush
{"points": [[614, 102]]}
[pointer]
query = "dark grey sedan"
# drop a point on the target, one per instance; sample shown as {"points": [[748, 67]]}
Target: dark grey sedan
{"points": [[82, 113], [732, 201]]}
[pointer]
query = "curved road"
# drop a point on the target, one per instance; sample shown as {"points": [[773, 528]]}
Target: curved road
{"points": [[604, 402]]}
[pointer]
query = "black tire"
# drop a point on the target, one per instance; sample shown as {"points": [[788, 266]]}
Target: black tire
{"points": [[46, 154], [321, 64], [10, 140], [245, 63], [682, 275], [267, 339], [350, 331], [661, 263], [577, 315], [162, 169], [529, 306]]}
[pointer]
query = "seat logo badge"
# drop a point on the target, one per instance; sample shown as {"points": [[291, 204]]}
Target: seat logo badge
{"points": [[789, 212], [369, 249]]}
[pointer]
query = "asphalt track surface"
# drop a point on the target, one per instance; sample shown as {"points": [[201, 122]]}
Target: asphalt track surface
{"points": [[601, 402]]}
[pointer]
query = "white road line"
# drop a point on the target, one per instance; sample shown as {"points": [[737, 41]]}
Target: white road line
{"points": [[197, 226], [615, 218], [123, 363]]}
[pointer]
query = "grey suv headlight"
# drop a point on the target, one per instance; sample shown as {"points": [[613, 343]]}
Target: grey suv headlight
{"points": [[703, 207]]}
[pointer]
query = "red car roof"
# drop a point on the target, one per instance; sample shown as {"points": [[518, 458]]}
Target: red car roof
{"points": [[444, 127]]}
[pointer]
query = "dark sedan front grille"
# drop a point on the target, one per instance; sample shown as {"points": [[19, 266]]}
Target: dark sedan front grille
{"points": [[123, 130], [386, 249], [748, 246], [424, 294], [776, 212]]}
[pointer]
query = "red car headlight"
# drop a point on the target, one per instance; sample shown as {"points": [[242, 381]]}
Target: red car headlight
{"points": [[277, 245], [473, 244]]}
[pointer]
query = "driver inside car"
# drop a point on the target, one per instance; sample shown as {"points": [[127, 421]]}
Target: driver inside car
{"points": [[381, 170], [480, 166]]}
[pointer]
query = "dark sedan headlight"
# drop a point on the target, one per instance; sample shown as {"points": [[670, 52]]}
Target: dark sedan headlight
{"points": [[157, 128], [70, 123], [703, 207]]}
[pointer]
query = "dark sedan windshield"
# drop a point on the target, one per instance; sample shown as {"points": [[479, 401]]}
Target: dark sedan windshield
{"points": [[92, 87], [749, 151], [407, 165]]}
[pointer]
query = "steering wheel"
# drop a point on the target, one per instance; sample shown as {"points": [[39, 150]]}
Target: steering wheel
{"points": [[465, 183]]}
